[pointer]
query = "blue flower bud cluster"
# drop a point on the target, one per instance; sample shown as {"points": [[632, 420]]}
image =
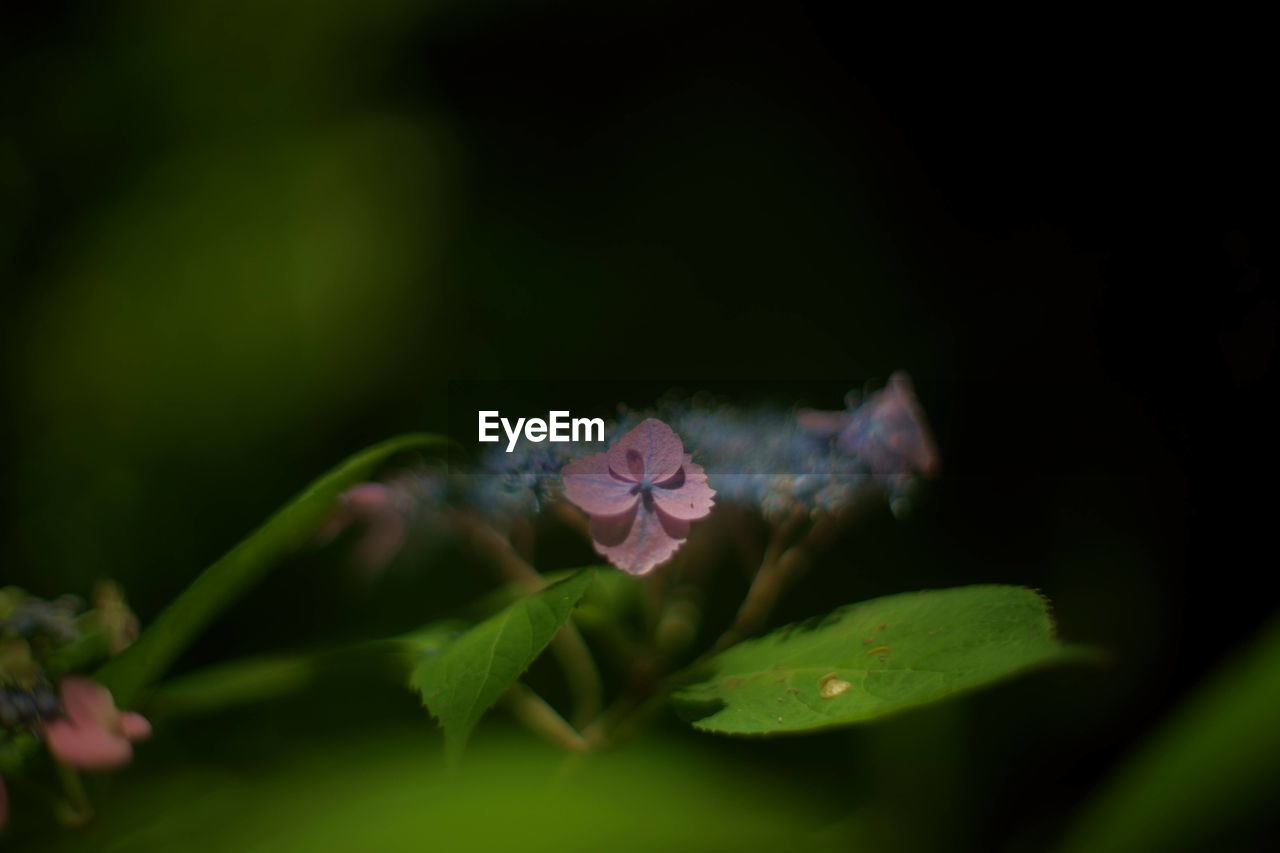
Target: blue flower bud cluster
{"points": [[520, 482], [28, 616], [25, 707], [30, 629], [765, 457]]}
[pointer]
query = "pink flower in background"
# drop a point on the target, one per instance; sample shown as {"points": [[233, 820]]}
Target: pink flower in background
{"points": [[641, 495], [93, 734], [888, 430], [382, 511]]}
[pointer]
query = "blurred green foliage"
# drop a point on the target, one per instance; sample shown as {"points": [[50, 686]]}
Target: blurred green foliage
{"points": [[390, 791], [252, 250], [1215, 762]]}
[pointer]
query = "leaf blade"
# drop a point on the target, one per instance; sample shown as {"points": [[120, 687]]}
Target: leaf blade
{"points": [[873, 659], [470, 674], [240, 568]]}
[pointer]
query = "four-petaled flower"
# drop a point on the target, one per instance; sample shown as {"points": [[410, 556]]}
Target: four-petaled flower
{"points": [[93, 734], [641, 495]]}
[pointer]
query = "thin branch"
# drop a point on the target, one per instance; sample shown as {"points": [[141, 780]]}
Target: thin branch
{"points": [[585, 686], [570, 649], [75, 811], [780, 562], [532, 710]]}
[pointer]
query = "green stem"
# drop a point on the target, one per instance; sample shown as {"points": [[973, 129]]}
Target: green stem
{"points": [[778, 565], [77, 810], [626, 716], [570, 649], [580, 671], [532, 710]]}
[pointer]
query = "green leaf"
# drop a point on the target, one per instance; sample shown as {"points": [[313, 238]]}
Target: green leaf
{"points": [[226, 685], [872, 659], [242, 567], [1212, 765], [461, 681], [263, 678]]}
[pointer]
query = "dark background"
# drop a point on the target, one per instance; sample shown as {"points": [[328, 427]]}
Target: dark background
{"points": [[1066, 237]]}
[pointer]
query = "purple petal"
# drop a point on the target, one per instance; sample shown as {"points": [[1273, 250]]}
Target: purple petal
{"points": [[362, 501], [889, 431], [134, 726], [651, 450], [639, 540], [86, 702], [370, 497], [590, 485], [612, 530], [686, 496]]}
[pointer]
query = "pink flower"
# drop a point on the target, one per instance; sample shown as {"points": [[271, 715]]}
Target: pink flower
{"points": [[93, 734], [641, 495], [889, 431], [382, 510]]}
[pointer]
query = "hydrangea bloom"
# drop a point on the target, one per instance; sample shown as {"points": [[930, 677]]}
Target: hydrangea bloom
{"points": [[772, 458], [93, 734], [383, 514], [887, 431], [641, 496], [508, 485]]}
